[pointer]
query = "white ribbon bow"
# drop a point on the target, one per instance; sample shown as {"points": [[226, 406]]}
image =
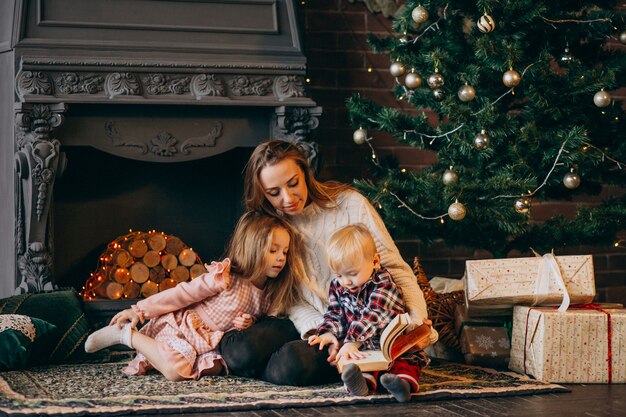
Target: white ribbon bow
{"points": [[549, 268]]}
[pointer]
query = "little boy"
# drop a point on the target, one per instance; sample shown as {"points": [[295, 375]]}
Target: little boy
{"points": [[362, 300]]}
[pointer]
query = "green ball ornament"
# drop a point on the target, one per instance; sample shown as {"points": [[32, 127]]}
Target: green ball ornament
{"points": [[397, 69], [466, 93], [419, 14], [602, 99], [359, 136], [457, 211]]}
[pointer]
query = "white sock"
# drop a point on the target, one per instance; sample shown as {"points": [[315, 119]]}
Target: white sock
{"points": [[109, 336]]}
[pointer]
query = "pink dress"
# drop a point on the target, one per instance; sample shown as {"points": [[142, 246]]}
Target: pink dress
{"points": [[189, 320]]}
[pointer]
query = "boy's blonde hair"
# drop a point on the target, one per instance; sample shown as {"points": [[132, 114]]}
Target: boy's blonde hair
{"points": [[249, 244], [349, 246]]}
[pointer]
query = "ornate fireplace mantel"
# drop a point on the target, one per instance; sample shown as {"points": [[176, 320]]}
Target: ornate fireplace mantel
{"points": [[114, 75]]}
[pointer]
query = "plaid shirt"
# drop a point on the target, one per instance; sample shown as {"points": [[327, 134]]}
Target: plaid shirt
{"points": [[362, 316]]}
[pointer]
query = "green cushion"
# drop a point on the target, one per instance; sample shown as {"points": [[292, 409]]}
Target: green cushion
{"points": [[63, 309], [22, 339]]}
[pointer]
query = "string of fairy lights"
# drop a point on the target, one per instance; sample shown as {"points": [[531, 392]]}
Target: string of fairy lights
{"points": [[511, 78]]}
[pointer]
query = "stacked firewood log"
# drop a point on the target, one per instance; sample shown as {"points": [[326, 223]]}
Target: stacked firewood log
{"points": [[140, 264]]}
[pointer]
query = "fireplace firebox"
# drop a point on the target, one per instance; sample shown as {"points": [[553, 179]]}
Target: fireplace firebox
{"points": [[126, 114]]}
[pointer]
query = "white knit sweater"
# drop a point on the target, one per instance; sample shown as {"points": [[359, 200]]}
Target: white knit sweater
{"points": [[316, 224]]}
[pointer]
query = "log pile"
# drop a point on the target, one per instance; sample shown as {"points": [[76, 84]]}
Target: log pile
{"points": [[140, 264]]}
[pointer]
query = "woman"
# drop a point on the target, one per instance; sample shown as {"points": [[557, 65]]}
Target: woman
{"points": [[279, 181]]}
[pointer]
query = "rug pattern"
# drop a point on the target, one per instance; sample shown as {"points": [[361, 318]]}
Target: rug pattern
{"points": [[101, 389]]}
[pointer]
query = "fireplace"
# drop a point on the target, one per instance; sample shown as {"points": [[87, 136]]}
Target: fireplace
{"points": [[136, 114]]}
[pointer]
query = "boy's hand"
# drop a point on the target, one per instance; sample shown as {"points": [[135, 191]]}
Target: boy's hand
{"points": [[351, 351], [243, 321], [323, 340], [125, 316]]}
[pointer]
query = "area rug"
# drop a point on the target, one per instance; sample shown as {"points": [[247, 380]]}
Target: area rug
{"points": [[101, 389]]}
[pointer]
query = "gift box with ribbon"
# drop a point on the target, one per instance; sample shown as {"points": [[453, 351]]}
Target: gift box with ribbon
{"points": [[485, 341], [540, 280], [585, 344]]}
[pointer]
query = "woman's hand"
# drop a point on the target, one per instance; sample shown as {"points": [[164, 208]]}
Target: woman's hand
{"points": [[351, 351], [125, 316], [243, 321]]}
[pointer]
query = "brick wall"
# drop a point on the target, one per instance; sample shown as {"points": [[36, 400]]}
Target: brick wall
{"points": [[341, 63]]}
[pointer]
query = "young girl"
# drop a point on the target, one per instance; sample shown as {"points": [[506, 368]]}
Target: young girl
{"points": [[260, 275]]}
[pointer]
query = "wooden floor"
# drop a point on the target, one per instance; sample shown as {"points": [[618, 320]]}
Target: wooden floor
{"points": [[583, 401]]}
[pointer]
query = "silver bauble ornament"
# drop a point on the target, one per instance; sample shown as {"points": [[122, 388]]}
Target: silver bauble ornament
{"points": [[571, 180], [397, 69], [457, 211], [622, 37], [439, 94], [486, 23], [450, 176], [359, 136], [419, 14], [511, 78], [481, 140], [466, 93], [566, 58], [522, 205], [412, 81], [602, 98], [435, 80]]}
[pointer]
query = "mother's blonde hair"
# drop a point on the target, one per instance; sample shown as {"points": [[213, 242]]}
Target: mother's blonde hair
{"points": [[271, 152], [249, 244]]}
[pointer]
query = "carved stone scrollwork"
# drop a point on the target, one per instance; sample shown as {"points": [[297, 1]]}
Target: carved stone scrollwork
{"points": [[207, 85], [157, 84], [294, 124], [122, 84], [33, 82], [287, 86], [38, 161], [242, 85], [73, 83]]}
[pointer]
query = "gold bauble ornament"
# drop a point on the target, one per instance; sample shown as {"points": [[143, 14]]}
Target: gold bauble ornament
{"points": [[449, 176], [481, 140], [485, 23], [359, 136], [466, 93], [511, 78], [522, 205], [435, 80], [457, 211], [622, 37], [602, 99], [397, 69], [439, 94], [571, 180], [412, 81], [419, 14]]}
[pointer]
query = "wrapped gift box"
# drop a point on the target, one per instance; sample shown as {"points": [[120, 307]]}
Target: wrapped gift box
{"points": [[529, 281], [572, 346], [484, 340]]}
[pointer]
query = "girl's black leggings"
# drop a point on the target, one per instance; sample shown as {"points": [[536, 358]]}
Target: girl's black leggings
{"points": [[271, 349]]}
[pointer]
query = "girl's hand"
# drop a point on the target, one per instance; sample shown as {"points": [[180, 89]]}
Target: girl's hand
{"points": [[351, 351], [323, 340], [125, 316], [222, 272], [243, 321]]}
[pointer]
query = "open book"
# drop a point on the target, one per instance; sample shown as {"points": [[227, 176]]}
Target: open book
{"points": [[393, 343]]}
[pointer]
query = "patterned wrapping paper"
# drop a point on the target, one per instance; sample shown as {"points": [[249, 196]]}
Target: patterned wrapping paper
{"points": [[514, 280], [485, 346], [569, 347]]}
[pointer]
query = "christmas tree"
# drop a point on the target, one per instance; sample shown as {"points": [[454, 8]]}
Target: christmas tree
{"points": [[521, 90]]}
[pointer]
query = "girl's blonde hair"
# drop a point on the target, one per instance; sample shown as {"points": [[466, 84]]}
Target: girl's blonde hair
{"points": [[247, 248], [273, 151], [349, 246]]}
